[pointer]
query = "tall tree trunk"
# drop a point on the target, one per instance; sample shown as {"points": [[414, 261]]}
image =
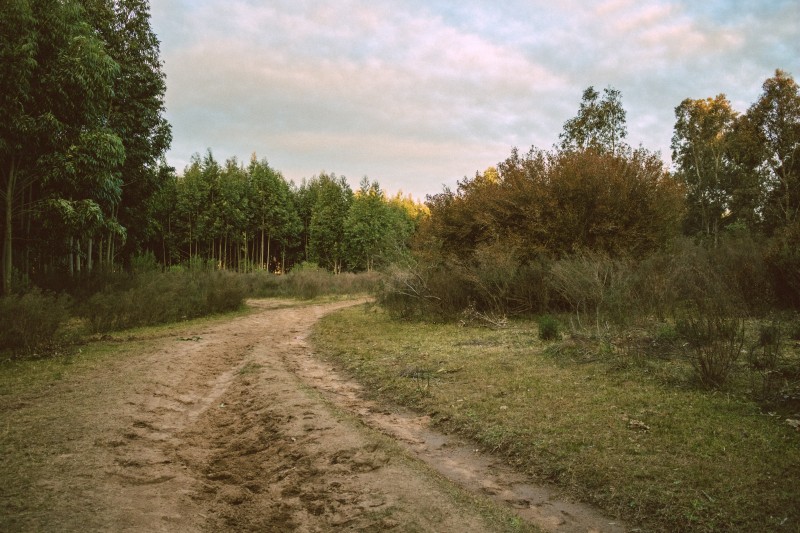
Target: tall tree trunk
{"points": [[78, 256], [269, 242], [261, 262], [8, 233], [71, 257], [89, 263]]}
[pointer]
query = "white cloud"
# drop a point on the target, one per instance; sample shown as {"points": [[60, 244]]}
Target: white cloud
{"points": [[423, 92]]}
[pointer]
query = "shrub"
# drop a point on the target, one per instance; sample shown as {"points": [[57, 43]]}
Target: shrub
{"points": [[593, 284], [764, 359], [715, 342], [307, 281], [30, 322], [548, 328], [144, 263], [783, 261], [404, 291], [157, 298]]}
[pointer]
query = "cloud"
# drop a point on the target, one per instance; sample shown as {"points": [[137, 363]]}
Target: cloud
{"points": [[426, 92]]}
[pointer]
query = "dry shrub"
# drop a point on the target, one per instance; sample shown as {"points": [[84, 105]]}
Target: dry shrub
{"points": [[594, 286], [715, 342], [406, 291], [503, 283]]}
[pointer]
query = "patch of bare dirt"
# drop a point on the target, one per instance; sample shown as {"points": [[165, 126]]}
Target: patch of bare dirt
{"points": [[235, 426]]}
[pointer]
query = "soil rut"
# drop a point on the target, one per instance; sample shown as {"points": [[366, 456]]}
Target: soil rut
{"points": [[237, 427]]}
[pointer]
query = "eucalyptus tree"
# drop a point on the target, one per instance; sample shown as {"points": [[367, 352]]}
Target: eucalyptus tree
{"points": [[701, 155], [774, 125], [600, 123], [274, 212], [231, 209], [56, 82], [194, 199], [305, 197], [136, 109], [327, 224], [367, 227]]}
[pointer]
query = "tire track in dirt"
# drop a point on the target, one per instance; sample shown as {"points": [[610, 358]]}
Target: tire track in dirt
{"points": [[453, 457], [235, 426], [211, 431]]}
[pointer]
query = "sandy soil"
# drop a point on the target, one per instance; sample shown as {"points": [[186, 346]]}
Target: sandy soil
{"points": [[238, 427]]}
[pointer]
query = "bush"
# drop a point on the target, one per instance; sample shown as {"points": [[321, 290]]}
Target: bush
{"points": [[715, 341], [764, 359], [593, 284], [30, 322], [307, 281], [404, 291], [548, 328], [157, 298], [783, 262]]}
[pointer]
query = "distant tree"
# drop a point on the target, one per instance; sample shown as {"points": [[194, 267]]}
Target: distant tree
{"points": [[701, 155], [231, 211], [599, 124], [367, 227], [275, 215], [327, 225], [305, 197]]}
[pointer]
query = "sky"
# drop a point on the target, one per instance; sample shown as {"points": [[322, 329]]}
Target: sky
{"points": [[418, 94]]}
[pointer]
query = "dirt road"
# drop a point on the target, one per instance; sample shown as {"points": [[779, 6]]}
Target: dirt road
{"points": [[235, 426]]}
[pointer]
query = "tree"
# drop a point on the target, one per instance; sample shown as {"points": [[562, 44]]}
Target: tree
{"points": [[700, 153], [136, 110], [57, 82], [774, 121], [367, 226], [599, 124], [274, 213], [326, 229]]}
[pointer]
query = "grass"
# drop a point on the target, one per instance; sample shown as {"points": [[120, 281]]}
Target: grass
{"points": [[635, 438]]}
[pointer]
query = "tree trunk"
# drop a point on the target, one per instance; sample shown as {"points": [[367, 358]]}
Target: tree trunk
{"points": [[8, 233], [89, 263], [262, 249], [71, 257], [78, 256], [269, 241]]}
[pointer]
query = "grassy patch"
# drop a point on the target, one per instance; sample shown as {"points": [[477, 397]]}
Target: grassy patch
{"points": [[607, 430]]}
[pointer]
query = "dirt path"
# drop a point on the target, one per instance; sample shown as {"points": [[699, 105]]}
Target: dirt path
{"points": [[236, 427]]}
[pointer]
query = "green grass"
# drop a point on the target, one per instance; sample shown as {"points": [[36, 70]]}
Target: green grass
{"points": [[621, 436]]}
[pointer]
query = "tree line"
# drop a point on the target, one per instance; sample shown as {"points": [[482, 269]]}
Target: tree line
{"points": [[247, 218]]}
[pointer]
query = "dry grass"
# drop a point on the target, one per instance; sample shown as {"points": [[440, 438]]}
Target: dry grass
{"points": [[626, 434]]}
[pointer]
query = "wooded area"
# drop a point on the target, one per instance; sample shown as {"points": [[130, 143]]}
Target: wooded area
{"points": [[85, 186]]}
